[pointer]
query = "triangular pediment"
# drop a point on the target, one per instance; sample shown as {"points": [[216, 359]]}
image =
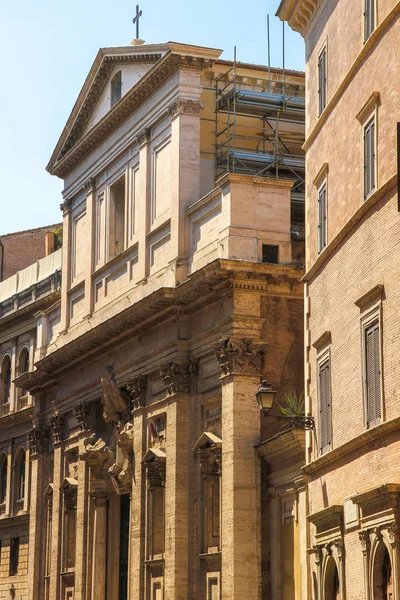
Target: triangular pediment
{"points": [[69, 482], [142, 69], [49, 490], [207, 440], [154, 454]]}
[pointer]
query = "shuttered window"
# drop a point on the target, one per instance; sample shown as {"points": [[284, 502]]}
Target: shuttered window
{"points": [[369, 157], [322, 80], [325, 408], [322, 223], [369, 18], [372, 375]]}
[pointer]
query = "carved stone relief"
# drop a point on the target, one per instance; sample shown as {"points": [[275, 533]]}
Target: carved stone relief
{"points": [[135, 392], [185, 107], [115, 407]]}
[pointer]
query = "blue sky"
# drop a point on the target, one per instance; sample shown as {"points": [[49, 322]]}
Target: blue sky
{"points": [[48, 47]]}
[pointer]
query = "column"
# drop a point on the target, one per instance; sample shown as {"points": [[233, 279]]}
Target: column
{"points": [[143, 208], [138, 505], [81, 413], [56, 524], [241, 364], [66, 264], [99, 566], [177, 384], [89, 258], [37, 523], [185, 180]]}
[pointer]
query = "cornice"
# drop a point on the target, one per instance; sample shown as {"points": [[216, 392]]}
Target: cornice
{"points": [[204, 286], [298, 13]]}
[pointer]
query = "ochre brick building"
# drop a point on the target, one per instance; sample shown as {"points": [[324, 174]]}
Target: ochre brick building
{"points": [[183, 248], [352, 294], [20, 249]]}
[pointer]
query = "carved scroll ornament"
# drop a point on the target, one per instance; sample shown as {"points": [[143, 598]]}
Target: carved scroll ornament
{"points": [[240, 357]]}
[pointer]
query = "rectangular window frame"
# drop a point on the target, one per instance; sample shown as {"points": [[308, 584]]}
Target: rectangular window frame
{"points": [[369, 18], [110, 214], [367, 319], [323, 358], [369, 156], [14, 556], [322, 216], [322, 78]]}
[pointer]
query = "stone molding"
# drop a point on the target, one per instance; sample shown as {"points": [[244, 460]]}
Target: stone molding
{"points": [[177, 376], [38, 439], [185, 107], [240, 356]]}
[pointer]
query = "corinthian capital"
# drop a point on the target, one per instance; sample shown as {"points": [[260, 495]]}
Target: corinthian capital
{"points": [[240, 357], [185, 107]]}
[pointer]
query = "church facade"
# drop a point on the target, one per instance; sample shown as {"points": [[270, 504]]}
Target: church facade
{"points": [[351, 294], [181, 290]]}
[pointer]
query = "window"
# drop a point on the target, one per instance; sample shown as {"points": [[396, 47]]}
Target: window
{"points": [[23, 362], [116, 232], [369, 158], [3, 478], [14, 556], [5, 380], [322, 80], [322, 222], [372, 374], [20, 475], [270, 254], [369, 18], [325, 407], [116, 88]]}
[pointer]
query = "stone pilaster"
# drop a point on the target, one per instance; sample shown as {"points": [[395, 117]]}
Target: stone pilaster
{"points": [[138, 506], [37, 439], [56, 525], [99, 563], [177, 498], [241, 364], [144, 206], [81, 510], [90, 191], [66, 264]]}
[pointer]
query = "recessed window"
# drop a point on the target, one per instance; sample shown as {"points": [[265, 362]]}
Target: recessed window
{"points": [[322, 217], [372, 374], [322, 80], [5, 380], [369, 18], [14, 556], [116, 88], [325, 405], [270, 254], [3, 478], [20, 475], [116, 225], [369, 158]]}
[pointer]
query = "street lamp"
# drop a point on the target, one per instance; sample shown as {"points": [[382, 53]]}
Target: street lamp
{"points": [[265, 397]]}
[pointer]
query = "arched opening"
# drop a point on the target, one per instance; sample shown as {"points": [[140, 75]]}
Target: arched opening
{"points": [[382, 574], [332, 584], [3, 478], [116, 88], [20, 475], [23, 367], [5, 391]]}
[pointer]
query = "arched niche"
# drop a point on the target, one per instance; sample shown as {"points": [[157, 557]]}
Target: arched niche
{"points": [[382, 577], [5, 380], [331, 582]]}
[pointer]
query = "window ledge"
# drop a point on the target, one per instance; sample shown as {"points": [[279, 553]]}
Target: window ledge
{"points": [[359, 441]]}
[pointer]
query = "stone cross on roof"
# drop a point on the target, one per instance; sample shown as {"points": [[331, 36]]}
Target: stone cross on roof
{"points": [[136, 20]]}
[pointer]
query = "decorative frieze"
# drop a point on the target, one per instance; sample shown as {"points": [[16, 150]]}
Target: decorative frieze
{"points": [[185, 107], [57, 424], [177, 376], [240, 357], [38, 439], [82, 415]]}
